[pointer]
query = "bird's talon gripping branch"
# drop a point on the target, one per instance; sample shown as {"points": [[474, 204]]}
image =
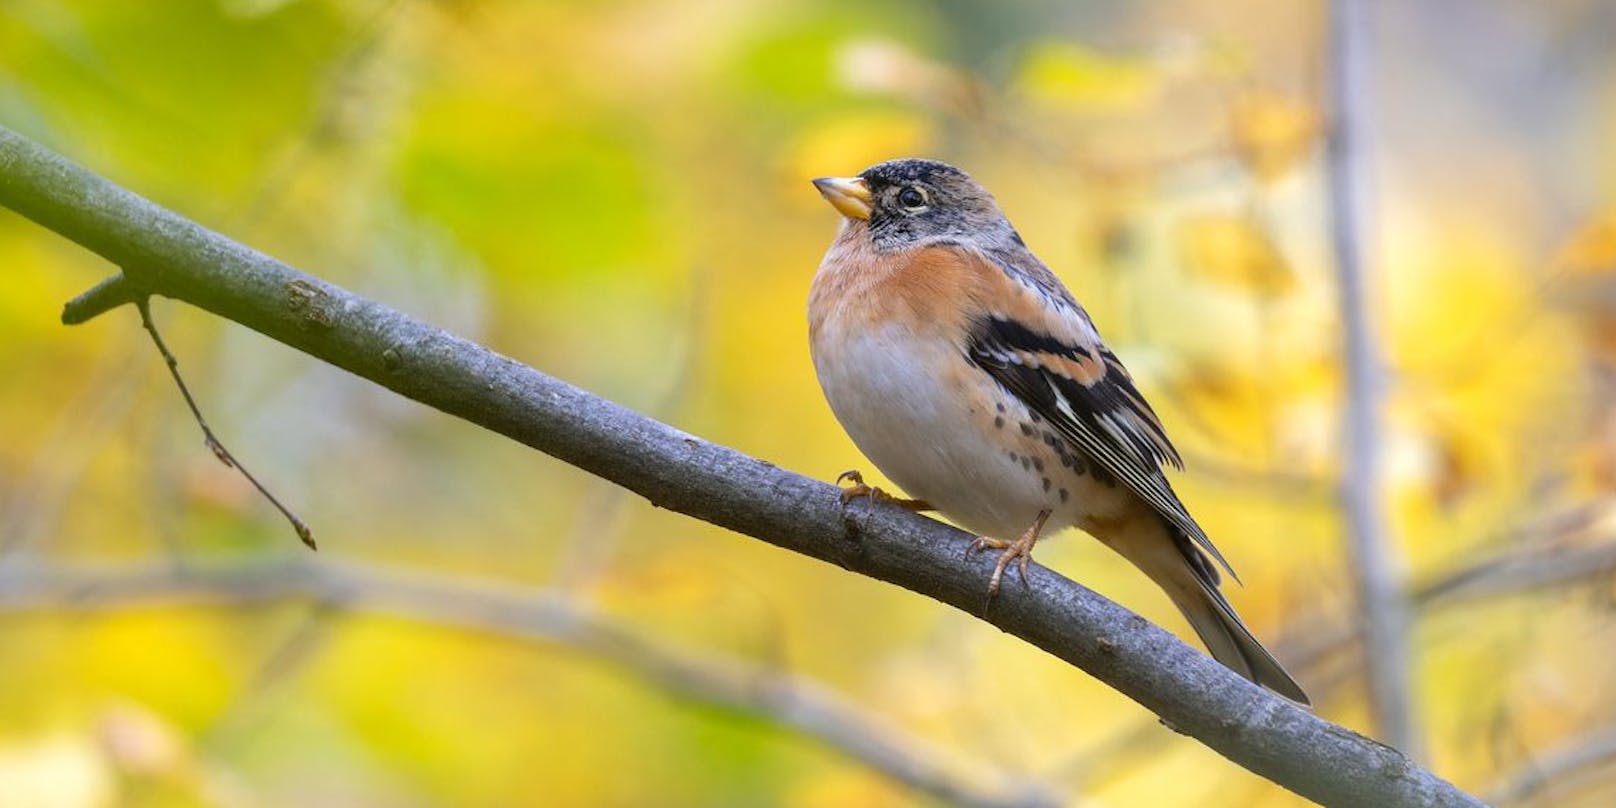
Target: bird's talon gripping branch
{"points": [[1018, 552], [859, 489], [984, 543]]}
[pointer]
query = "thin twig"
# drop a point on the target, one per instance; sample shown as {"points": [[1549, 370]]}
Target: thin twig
{"points": [[1376, 566], [529, 614], [143, 304]]}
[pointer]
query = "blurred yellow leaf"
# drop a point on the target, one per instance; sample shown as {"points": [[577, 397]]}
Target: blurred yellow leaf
{"points": [[1071, 75], [1591, 251], [54, 771], [847, 144], [1272, 134], [139, 741], [1596, 458], [1227, 59], [846, 787], [1598, 333], [1111, 232], [1217, 397], [156, 759], [1456, 465], [1233, 250], [1584, 267]]}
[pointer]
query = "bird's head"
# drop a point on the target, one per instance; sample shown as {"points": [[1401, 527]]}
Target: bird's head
{"points": [[912, 202]]}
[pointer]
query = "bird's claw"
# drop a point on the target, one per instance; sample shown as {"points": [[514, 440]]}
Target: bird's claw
{"points": [[859, 489], [1018, 552]]}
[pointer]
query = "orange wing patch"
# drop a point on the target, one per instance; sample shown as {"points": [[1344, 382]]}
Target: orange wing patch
{"points": [[1083, 369]]}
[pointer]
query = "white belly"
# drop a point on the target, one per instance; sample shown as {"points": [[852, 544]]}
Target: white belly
{"points": [[943, 437]]}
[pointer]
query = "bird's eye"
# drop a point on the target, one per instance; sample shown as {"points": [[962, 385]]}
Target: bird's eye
{"points": [[912, 197]]}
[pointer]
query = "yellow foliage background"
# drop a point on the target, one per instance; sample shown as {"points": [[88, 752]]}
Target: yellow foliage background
{"points": [[616, 193]]}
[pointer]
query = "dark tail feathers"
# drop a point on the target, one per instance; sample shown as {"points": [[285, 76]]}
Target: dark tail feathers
{"points": [[1225, 636]]}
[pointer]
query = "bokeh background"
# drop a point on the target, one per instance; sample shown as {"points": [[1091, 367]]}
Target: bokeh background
{"points": [[616, 193]]}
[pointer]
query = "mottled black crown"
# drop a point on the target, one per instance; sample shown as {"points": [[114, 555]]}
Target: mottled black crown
{"points": [[912, 170], [956, 208]]}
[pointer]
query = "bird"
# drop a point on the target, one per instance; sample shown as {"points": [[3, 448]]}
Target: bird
{"points": [[965, 371]]}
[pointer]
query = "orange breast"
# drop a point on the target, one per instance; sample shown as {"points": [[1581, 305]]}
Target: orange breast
{"points": [[934, 292]]}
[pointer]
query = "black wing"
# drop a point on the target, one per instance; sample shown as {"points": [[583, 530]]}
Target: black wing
{"points": [[1086, 393]]}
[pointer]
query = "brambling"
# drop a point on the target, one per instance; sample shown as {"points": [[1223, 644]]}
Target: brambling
{"points": [[964, 369]]}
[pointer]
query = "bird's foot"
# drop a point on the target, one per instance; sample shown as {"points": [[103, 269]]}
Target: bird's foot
{"points": [[1018, 552], [859, 489]]}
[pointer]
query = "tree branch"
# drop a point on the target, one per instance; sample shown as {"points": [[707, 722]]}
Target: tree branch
{"points": [[174, 256], [105, 296], [1517, 572], [535, 615], [1377, 569]]}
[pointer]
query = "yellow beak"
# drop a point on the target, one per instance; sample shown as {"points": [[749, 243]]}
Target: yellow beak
{"points": [[850, 196]]}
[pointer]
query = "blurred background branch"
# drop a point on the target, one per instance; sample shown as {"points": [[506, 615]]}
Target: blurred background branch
{"points": [[1545, 557], [1534, 561], [1376, 566], [1560, 773], [788, 701]]}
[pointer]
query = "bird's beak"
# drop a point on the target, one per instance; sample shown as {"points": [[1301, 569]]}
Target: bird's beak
{"points": [[848, 195]]}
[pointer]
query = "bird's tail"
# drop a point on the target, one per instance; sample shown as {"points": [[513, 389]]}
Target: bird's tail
{"points": [[1190, 580], [1229, 641]]}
